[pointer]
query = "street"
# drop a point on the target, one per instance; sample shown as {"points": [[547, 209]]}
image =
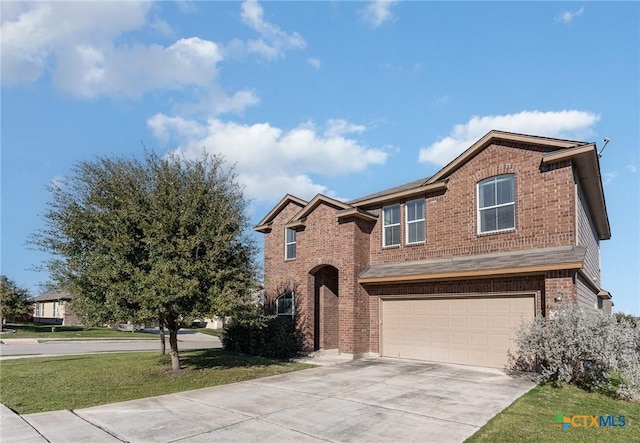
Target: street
{"points": [[19, 348]]}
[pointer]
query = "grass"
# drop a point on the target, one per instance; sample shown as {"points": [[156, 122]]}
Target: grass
{"points": [[214, 332], [38, 330], [531, 418], [47, 384]]}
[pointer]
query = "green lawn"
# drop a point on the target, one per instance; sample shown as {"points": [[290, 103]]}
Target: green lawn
{"points": [[37, 330], [214, 332], [46, 384], [531, 418]]}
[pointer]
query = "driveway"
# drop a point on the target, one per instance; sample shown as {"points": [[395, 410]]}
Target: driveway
{"points": [[371, 400]]}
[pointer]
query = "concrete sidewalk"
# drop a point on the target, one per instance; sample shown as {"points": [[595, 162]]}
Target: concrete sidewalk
{"points": [[371, 400]]}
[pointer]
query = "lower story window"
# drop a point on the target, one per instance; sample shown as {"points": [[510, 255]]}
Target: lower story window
{"points": [[285, 304]]}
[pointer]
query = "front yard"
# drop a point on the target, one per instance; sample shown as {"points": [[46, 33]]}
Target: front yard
{"points": [[532, 418], [46, 384]]}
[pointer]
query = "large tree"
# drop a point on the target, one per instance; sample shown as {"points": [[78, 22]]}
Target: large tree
{"points": [[14, 300], [159, 238]]}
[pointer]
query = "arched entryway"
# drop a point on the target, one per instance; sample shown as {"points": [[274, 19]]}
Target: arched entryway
{"points": [[326, 329]]}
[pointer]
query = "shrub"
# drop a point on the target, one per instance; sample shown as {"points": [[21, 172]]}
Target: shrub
{"points": [[263, 335], [583, 347]]}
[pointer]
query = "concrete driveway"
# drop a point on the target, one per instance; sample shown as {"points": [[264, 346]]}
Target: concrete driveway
{"points": [[371, 400]]}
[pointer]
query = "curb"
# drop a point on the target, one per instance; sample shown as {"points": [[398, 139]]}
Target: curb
{"points": [[19, 341]]}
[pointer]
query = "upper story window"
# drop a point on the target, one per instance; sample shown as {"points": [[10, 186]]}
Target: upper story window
{"points": [[391, 225], [290, 244], [415, 221], [496, 204], [285, 304]]}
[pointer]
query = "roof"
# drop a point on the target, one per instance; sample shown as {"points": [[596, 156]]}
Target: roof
{"points": [[264, 225], [583, 155], [403, 187], [494, 136], [314, 203], [53, 296], [475, 266]]}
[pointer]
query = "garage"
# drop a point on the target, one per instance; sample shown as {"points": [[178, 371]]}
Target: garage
{"points": [[469, 330]]}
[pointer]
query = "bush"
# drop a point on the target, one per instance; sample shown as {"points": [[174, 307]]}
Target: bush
{"points": [[583, 347], [263, 335]]}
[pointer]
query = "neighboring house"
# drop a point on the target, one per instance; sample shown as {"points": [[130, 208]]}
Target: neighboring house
{"points": [[257, 297], [444, 268], [53, 308]]}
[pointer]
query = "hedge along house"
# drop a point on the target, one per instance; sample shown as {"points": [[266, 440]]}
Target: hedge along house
{"points": [[444, 268]]}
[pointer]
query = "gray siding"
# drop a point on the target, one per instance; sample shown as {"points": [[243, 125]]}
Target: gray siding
{"points": [[587, 237], [586, 296]]}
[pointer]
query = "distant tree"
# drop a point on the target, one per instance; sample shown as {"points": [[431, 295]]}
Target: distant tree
{"points": [[633, 321], [14, 300], [159, 239]]}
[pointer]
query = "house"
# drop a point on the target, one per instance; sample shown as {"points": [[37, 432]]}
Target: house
{"points": [[443, 268], [256, 297], [53, 308]]}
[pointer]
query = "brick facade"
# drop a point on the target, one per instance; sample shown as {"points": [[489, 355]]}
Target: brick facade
{"points": [[334, 310]]}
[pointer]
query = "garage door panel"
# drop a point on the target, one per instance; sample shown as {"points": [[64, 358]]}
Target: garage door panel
{"points": [[473, 330]]}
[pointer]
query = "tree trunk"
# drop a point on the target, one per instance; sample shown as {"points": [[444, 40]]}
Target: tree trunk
{"points": [[173, 327], [163, 344], [1, 324]]}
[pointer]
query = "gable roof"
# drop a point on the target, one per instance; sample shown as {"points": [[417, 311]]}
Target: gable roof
{"points": [[264, 225], [583, 155], [52, 296], [315, 202], [495, 136]]}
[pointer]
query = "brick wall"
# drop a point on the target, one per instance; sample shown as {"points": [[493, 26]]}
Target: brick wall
{"points": [[545, 209], [545, 217], [324, 242]]}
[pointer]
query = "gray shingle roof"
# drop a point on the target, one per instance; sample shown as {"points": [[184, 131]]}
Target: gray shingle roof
{"points": [[410, 185], [53, 296], [502, 260]]}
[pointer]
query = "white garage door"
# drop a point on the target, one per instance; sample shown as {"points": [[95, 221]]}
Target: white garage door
{"points": [[471, 331]]}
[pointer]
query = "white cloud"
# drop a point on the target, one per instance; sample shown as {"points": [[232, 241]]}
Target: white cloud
{"points": [[84, 49], [609, 177], [339, 128], [315, 62], [562, 124], [273, 41], [90, 71], [568, 16], [378, 12], [33, 32], [271, 161], [632, 168]]}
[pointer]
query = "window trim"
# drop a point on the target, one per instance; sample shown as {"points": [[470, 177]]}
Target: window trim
{"points": [[292, 294], [478, 209], [384, 230], [287, 244], [407, 222]]}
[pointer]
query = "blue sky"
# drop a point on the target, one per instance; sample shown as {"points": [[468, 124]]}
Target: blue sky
{"points": [[341, 98]]}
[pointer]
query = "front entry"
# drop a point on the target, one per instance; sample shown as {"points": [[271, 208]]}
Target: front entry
{"points": [[325, 295]]}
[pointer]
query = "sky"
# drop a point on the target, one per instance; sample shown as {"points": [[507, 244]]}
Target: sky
{"points": [[339, 98]]}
